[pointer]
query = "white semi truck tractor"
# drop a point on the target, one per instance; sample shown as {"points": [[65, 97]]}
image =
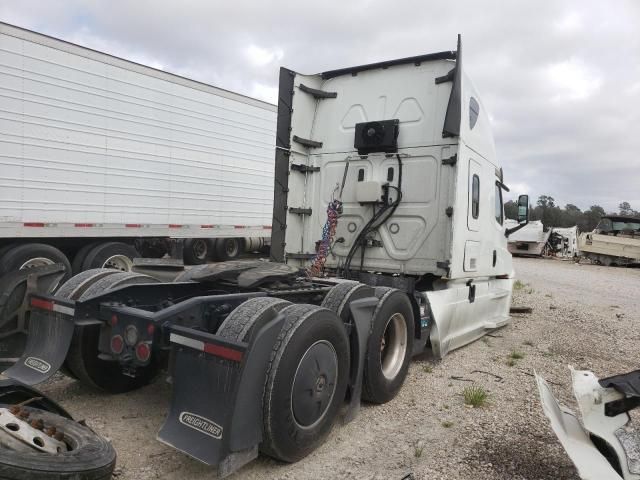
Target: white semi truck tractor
{"points": [[388, 241]]}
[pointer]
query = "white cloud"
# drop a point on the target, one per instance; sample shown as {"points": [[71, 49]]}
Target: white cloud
{"points": [[261, 57], [573, 80]]}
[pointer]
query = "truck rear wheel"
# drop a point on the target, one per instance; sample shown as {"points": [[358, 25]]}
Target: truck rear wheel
{"points": [[249, 317], [339, 297], [116, 255], [83, 357], [32, 255], [197, 250], [306, 382], [390, 346], [90, 457], [229, 248]]}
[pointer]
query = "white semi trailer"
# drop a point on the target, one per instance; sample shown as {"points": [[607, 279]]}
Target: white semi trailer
{"points": [[103, 159], [388, 241]]}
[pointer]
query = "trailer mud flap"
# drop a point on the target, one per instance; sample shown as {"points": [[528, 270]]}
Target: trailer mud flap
{"points": [[50, 330], [15, 289], [216, 406]]}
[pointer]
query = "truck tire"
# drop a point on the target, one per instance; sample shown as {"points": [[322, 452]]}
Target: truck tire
{"points": [[249, 317], [76, 285], [4, 249], [82, 358], [311, 354], [92, 457], [197, 250], [80, 256], [389, 347], [32, 255], [339, 297], [115, 255], [229, 248]]}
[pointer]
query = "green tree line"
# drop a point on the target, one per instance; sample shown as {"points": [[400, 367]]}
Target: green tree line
{"points": [[554, 216]]}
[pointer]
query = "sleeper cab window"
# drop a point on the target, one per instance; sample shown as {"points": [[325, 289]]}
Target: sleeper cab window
{"points": [[499, 211], [475, 196]]}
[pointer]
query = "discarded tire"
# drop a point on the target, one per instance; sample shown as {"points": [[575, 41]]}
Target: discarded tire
{"points": [[90, 457], [306, 382], [389, 347], [82, 358]]}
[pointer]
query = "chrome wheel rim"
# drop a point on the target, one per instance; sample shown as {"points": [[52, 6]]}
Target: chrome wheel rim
{"points": [[36, 262], [119, 262], [393, 346]]}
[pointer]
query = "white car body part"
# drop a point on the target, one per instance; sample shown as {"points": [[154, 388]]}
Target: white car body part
{"points": [[618, 432]]}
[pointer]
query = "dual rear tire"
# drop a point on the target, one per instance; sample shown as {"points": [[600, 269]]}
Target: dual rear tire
{"points": [[309, 367]]}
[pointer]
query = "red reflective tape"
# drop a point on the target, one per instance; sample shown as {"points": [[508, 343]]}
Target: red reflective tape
{"points": [[267, 227], [224, 352], [81, 225], [173, 225], [239, 226], [133, 225], [43, 304], [207, 226], [33, 224]]}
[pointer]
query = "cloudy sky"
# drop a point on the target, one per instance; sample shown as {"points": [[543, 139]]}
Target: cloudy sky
{"points": [[560, 78]]}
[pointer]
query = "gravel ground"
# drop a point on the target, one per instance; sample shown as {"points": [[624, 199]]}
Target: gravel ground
{"points": [[583, 315]]}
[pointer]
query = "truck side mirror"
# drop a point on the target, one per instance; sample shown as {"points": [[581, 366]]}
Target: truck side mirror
{"points": [[523, 215], [523, 208]]}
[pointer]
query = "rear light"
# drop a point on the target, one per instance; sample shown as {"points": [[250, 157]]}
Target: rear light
{"points": [[117, 344], [151, 328], [43, 304], [143, 351], [131, 335], [114, 320]]}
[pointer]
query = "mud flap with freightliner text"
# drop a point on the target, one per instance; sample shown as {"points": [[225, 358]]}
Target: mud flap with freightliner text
{"points": [[51, 326], [15, 290], [216, 406]]}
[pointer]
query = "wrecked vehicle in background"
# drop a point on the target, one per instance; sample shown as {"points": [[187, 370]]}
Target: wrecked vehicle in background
{"points": [[563, 242], [606, 445], [614, 241], [528, 241]]}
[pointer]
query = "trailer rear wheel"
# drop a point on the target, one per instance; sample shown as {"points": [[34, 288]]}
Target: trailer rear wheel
{"points": [[249, 317], [197, 250], [306, 382], [390, 346], [32, 255], [116, 255], [83, 357], [229, 248], [80, 256], [90, 457]]}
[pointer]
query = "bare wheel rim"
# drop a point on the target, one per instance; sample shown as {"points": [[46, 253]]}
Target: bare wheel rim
{"points": [[199, 248], [393, 346], [231, 247], [36, 262], [314, 384], [118, 262]]}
